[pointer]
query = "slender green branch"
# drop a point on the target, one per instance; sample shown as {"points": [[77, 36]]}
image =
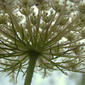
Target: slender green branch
{"points": [[30, 70]]}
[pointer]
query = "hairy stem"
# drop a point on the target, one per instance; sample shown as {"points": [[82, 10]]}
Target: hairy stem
{"points": [[30, 70]]}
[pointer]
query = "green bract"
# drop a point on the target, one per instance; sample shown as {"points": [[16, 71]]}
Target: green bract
{"points": [[48, 40]]}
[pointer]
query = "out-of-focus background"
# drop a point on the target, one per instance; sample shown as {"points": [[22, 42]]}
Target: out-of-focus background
{"points": [[54, 78]]}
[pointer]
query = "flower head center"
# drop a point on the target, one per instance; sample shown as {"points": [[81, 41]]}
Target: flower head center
{"points": [[33, 52]]}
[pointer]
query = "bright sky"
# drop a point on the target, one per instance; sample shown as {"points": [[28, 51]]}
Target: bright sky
{"points": [[56, 78]]}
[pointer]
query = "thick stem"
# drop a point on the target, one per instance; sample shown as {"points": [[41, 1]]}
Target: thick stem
{"points": [[30, 70], [83, 80]]}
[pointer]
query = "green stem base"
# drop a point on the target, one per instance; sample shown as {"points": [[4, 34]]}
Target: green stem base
{"points": [[30, 70]]}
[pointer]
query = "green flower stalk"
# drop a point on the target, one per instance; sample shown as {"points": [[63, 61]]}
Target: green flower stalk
{"points": [[30, 69], [49, 38]]}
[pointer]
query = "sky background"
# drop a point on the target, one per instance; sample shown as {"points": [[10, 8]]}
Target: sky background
{"points": [[55, 78]]}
